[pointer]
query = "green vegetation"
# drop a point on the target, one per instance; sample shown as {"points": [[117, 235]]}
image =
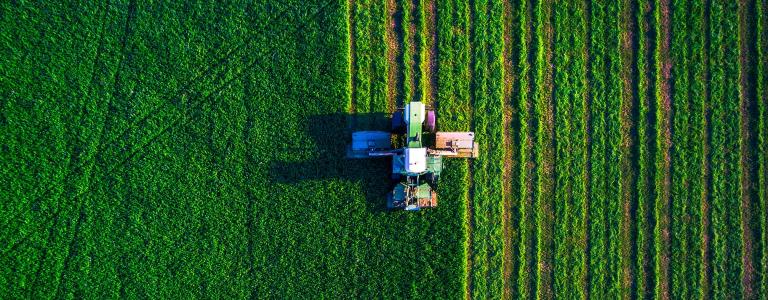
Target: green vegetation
{"points": [[726, 243], [196, 150], [487, 74]]}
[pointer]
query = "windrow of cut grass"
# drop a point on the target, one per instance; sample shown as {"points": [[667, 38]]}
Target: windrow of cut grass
{"points": [[570, 95], [646, 188], [726, 242], [687, 48], [527, 270], [545, 156], [453, 88], [487, 83], [605, 202]]}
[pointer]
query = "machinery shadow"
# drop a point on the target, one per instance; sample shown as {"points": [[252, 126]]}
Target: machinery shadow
{"points": [[330, 135]]}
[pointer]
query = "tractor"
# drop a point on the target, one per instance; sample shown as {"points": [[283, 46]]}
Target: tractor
{"points": [[417, 161]]}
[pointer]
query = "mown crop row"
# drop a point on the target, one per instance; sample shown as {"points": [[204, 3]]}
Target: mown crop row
{"points": [[726, 242], [688, 72], [604, 107], [762, 99], [486, 82], [454, 114], [570, 96]]}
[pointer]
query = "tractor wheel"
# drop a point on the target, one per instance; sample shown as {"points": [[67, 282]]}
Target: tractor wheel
{"points": [[429, 125], [432, 178], [398, 124]]}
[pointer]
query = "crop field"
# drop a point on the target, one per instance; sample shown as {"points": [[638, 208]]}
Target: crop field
{"points": [[154, 149]]}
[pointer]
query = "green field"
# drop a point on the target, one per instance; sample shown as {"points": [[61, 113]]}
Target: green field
{"points": [[196, 150]]}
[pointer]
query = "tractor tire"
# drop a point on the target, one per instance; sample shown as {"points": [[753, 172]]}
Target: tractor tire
{"points": [[398, 123], [430, 122]]}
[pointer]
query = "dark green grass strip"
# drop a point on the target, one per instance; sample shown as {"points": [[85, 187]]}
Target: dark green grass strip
{"points": [[605, 208], [726, 242], [580, 171], [695, 158], [562, 287], [762, 98], [647, 148], [687, 147], [545, 156], [528, 171]]}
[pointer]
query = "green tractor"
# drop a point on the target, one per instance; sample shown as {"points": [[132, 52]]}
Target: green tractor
{"points": [[418, 161]]}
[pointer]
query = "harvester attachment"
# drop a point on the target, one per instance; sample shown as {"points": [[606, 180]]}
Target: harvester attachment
{"points": [[455, 144], [370, 144]]}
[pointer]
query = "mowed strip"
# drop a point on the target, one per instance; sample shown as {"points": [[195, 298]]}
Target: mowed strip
{"points": [[545, 157], [453, 115], [646, 188], [487, 95], [570, 134]]}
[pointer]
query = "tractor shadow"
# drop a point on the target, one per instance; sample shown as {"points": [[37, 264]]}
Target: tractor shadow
{"points": [[330, 135]]}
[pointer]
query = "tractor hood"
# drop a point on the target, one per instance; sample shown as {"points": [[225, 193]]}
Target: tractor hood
{"points": [[415, 160]]}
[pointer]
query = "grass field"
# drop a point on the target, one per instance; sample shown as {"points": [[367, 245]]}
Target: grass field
{"points": [[196, 150]]}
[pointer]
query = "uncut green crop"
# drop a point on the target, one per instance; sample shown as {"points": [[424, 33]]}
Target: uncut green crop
{"points": [[686, 150]]}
